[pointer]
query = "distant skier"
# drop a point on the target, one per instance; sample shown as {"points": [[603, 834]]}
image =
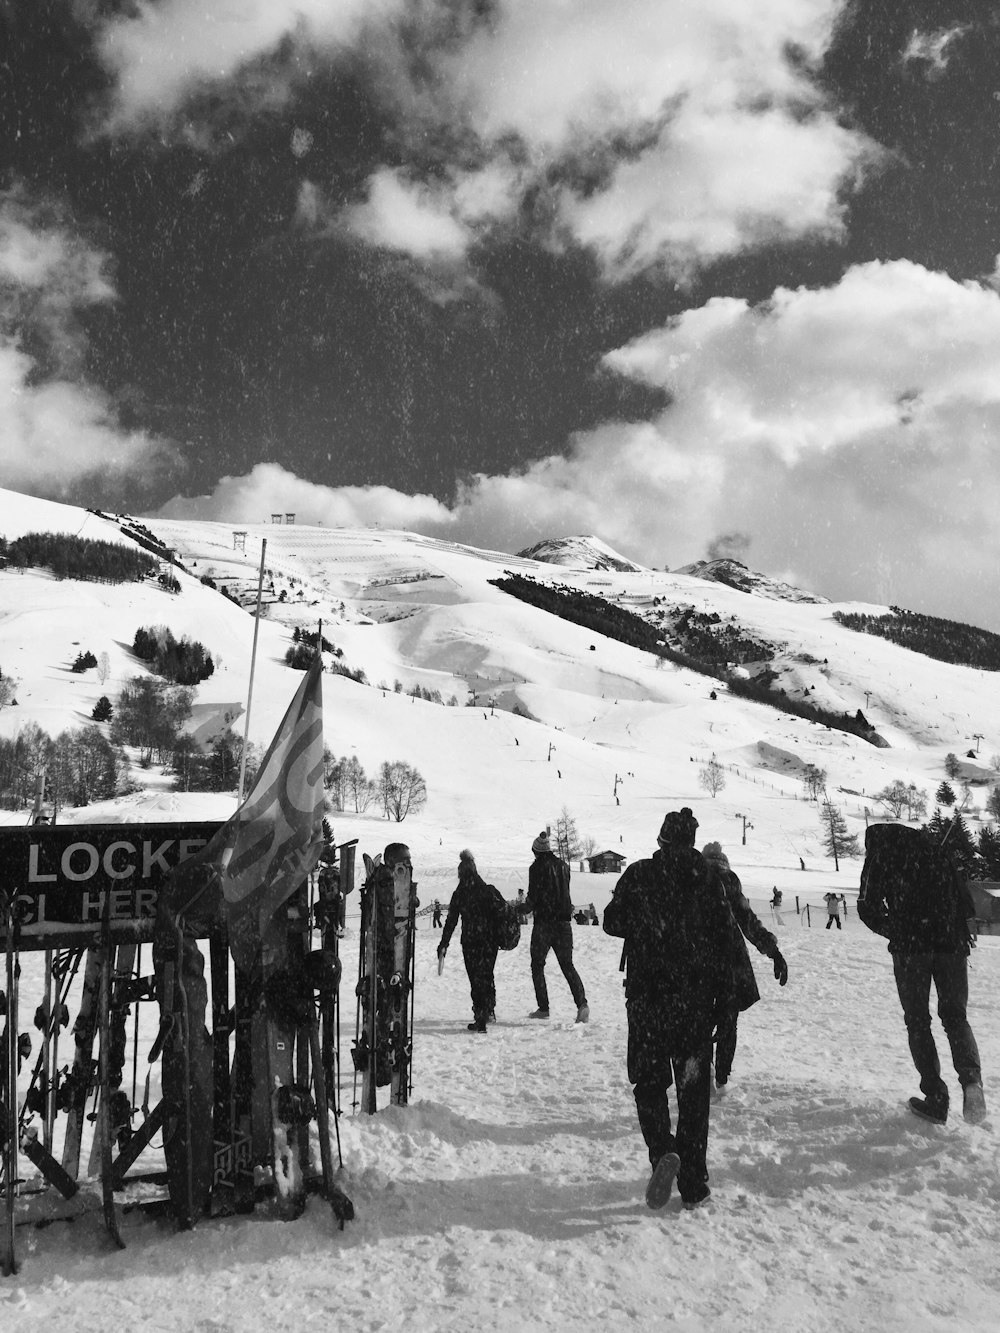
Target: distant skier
{"points": [[549, 901], [436, 918], [833, 902], [775, 896], [912, 894], [478, 904], [745, 922], [672, 914]]}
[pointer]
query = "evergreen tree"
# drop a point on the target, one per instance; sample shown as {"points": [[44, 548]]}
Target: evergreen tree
{"points": [[945, 795], [836, 839], [951, 766], [102, 709], [989, 852]]}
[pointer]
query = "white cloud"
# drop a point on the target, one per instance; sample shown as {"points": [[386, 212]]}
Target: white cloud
{"points": [[270, 488], [54, 429], [159, 53], [931, 48], [406, 216]]}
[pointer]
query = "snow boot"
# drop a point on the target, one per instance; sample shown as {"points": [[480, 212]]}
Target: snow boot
{"points": [[539, 1013], [936, 1112], [661, 1182], [973, 1103], [583, 1013], [691, 1204]]}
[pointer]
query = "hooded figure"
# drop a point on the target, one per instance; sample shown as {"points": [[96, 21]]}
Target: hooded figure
{"points": [[672, 914], [743, 922], [479, 905]]}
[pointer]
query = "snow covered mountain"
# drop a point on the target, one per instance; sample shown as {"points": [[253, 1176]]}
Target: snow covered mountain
{"points": [[585, 552], [734, 574]]}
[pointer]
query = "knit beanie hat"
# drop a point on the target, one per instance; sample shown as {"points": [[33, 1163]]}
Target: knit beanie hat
{"points": [[678, 829], [466, 860], [712, 851], [541, 844]]}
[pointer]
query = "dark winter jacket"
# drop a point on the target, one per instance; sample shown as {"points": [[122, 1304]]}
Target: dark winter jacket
{"points": [[745, 922], [912, 893], [479, 905], [672, 913], [548, 889]]}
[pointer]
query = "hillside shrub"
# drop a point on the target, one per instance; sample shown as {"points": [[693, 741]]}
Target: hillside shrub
{"points": [[84, 661]]}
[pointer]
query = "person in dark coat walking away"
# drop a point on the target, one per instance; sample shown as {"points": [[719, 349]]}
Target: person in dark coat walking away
{"points": [[478, 904], [672, 914], [549, 901], [436, 918], [745, 922], [912, 894]]}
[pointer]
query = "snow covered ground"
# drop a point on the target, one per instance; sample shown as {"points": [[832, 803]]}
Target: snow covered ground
{"points": [[509, 1194]]}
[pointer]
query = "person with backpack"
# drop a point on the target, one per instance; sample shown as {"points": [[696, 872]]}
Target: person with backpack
{"points": [[745, 922], [549, 903], [480, 907], [912, 894], [671, 911]]}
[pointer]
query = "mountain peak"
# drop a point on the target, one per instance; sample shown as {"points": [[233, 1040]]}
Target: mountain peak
{"points": [[734, 574], [584, 551]]}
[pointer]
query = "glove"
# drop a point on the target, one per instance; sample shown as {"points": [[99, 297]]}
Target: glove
{"points": [[442, 950], [780, 969]]}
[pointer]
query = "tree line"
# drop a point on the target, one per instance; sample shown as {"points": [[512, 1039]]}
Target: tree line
{"points": [[944, 640], [70, 557]]}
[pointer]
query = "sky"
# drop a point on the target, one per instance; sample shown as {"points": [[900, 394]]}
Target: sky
{"points": [[698, 278]]}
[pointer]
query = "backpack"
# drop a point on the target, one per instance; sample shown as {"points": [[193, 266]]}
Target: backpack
{"points": [[508, 925]]}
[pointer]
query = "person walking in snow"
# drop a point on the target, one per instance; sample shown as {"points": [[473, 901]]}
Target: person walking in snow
{"points": [[671, 911], [833, 902], [549, 902], [436, 918], [479, 905], [912, 894], [744, 923]]}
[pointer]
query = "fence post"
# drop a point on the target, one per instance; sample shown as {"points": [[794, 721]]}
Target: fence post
{"points": [[808, 917]]}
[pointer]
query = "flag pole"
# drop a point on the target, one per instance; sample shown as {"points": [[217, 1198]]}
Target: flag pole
{"points": [[253, 663]]}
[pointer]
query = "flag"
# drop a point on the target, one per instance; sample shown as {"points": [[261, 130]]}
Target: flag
{"points": [[266, 850]]}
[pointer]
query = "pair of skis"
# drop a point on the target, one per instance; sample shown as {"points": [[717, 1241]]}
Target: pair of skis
{"points": [[383, 1049]]}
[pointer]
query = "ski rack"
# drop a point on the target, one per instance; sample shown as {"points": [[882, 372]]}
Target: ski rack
{"points": [[83, 896]]}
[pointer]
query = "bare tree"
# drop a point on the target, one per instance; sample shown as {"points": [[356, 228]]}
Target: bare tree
{"points": [[814, 781], [712, 777], [103, 668], [401, 789], [356, 783], [895, 798], [567, 837]]}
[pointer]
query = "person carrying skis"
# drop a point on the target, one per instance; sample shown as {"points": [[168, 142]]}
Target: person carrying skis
{"points": [[744, 923], [549, 901], [478, 904], [912, 894], [671, 912]]}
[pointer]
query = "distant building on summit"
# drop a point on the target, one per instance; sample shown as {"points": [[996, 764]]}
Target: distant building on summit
{"points": [[605, 863]]}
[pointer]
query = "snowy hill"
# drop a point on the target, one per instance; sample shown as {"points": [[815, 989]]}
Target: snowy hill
{"points": [[735, 574], [580, 553], [509, 1193]]}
